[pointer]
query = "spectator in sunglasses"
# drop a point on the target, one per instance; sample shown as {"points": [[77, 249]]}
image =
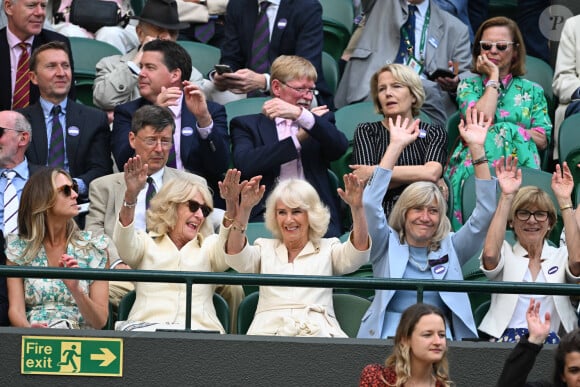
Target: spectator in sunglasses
{"points": [[517, 107], [176, 223], [298, 220], [48, 236], [531, 214]]}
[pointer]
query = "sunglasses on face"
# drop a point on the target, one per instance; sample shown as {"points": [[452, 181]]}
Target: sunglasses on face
{"points": [[67, 189], [524, 215], [2, 130], [194, 206], [501, 46]]}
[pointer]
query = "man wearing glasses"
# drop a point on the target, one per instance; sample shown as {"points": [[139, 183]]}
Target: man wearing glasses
{"points": [[150, 137], [200, 142], [288, 140]]}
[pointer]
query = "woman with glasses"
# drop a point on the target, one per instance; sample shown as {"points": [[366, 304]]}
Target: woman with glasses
{"points": [[396, 90], [531, 214], [49, 237], [521, 125], [176, 223], [298, 220]]}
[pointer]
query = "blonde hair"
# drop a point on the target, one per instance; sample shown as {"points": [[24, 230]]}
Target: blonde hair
{"points": [[38, 196], [162, 213], [405, 76], [420, 194], [296, 193], [400, 360], [288, 67]]}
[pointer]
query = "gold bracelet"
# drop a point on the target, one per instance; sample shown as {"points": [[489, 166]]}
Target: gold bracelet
{"points": [[227, 218], [567, 207], [129, 205], [239, 228]]}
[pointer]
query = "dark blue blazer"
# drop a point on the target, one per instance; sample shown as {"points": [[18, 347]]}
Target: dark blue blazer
{"points": [[257, 151], [45, 36], [297, 31], [88, 154], [209, 158]]}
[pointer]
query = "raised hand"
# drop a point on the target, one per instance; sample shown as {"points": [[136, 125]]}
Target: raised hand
{"points": [[69, 261], [353, 190], [405, 132], [474, 129], [486, 67], [277, 107], [562, 182], [508, 175], [135, 173], [196, 103], [538, 330], [230, 188], [363, 172], [168, 96], [252, 193]]}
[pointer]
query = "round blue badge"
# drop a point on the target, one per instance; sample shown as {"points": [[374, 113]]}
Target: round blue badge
{"points": [[73, 131], [187, 131]]}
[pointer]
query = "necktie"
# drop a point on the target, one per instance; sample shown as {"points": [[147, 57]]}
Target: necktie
{"points": [[10, 204], [21, 97], [172, 159], [261, 43], [203, 32], [56, 147], [150, 191], [407, 43]]}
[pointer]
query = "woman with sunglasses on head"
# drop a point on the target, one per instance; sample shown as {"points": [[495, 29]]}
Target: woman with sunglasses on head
{"points": [[517, 107], [531, 214], [174, 241], [419, 354], [298, 220], [49, 237]]}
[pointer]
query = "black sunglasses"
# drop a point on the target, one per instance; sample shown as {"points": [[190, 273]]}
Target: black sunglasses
{"points": [[501, 46], [67, 189], [194, 206], [2, 130]]}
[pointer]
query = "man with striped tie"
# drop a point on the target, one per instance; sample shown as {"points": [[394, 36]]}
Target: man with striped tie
{"points": [[18, 39], [15, 136], [66, 134]]}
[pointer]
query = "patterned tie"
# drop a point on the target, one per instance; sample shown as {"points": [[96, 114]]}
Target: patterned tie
{"points": [[10, 204], [261, 43], [172, 159], [56, 147], [203, 32], [405, 43], [21, 97], [150, 191]]}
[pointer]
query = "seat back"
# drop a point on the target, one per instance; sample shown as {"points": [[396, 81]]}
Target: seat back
{"points": [[348, 117], [339, 12], [203, 56], [255, 230], [349, 310], [87, 53], [453, 137], [243, 107], [246, 312], [330, 70], [569, 136], [221, 308]]}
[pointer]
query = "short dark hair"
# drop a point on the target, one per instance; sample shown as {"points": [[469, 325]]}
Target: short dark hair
{"points": [[174, 56], [570, 342], [152, 115], [54, 45]]}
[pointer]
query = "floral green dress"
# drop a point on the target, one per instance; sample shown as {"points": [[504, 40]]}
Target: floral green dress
{"points": [[48, 300], [521, 105]]}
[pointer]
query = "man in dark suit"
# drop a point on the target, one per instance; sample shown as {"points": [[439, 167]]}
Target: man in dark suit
{"points": [[84, 131], [24, 25], [295, 28], [201, 142], [287, 140]]}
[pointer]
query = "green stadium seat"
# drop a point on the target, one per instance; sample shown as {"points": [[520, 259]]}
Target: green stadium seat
{"points": [[87, 53], [203, 56]]}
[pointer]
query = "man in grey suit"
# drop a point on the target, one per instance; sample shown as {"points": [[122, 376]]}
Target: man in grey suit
{"points": [[151, 137], [440, 40]]}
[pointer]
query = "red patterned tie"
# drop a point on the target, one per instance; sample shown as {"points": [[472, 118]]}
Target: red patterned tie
{"points": [[21, 97]]}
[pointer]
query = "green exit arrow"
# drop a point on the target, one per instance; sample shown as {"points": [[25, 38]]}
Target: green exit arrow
{"points": [[106, 356]]}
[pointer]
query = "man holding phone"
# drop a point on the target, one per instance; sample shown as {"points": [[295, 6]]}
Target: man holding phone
{"points": [[257, 32]]}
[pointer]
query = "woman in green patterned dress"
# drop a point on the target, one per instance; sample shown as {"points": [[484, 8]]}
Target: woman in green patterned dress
{"points": [[521, 125]]}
